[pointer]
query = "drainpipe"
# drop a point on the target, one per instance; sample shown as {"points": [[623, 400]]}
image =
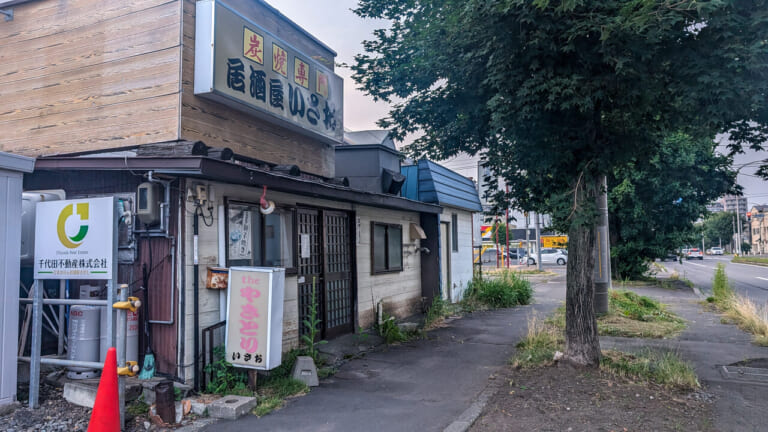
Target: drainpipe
{"points": [[196, 300]]}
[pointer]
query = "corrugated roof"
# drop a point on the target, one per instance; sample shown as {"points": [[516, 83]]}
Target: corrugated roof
{"points": [[439, 185]]}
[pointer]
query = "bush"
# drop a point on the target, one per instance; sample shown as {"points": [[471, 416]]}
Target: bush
{"points": [[508, 290]]}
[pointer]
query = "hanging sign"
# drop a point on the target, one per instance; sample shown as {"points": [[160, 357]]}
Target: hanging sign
{"points": [[74, 239], [240, 64], [254, 334]]}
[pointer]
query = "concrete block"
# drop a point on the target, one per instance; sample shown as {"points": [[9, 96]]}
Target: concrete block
{"points": [[198, 408], [231, 407], [305, 371], [80, 394]]}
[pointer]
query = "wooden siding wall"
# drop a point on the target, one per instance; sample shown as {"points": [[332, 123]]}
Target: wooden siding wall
{"points": [[399, 292], [84, 75], [220, 126]]}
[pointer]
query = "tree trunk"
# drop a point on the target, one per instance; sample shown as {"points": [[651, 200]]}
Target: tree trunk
{"points": [[582, 345]]}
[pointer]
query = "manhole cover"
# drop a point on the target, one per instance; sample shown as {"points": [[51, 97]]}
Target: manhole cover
{"points": [[753, 370]]}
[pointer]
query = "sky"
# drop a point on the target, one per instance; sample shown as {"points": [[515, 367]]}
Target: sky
{"points": [[334, 23]]}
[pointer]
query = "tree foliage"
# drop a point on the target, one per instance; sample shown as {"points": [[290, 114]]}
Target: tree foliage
{"points": [[720, 227], [556, 93], [654, 200]]}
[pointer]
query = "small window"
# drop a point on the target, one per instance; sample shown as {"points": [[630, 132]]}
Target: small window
{"points": [[258, 240], [386, 247], [455, 231]]}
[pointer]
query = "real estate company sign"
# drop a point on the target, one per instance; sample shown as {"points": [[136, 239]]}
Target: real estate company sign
{"points": [[240, 64], [74, 239]]}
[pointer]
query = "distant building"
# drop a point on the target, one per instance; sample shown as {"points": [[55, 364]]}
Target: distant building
{"points": [[715, 207], [759, 228], [735, 204]]}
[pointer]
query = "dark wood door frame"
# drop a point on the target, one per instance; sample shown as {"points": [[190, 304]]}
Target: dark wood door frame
{"points": [[332, 263]]}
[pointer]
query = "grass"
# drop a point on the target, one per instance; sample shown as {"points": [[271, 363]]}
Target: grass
{"points": [[137, 408], [539, 345], [738, 309], [662, 367], [631, 315], [506, 290], [750, 260]]}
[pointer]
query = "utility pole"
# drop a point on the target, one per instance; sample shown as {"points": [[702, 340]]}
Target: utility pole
{"points": [[738, 225], [538, 242], [602, 251], [733, 228], [527, 240]]}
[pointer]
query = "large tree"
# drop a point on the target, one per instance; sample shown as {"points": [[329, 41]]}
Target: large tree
{"points": [[655, 199], [555, 94]]}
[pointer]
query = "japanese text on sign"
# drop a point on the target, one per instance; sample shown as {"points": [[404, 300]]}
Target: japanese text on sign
{"points": [[262, 73]]}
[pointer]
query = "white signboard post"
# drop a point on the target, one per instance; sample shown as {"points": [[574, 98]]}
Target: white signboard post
{"points": [[254, 334], [74, 239]]}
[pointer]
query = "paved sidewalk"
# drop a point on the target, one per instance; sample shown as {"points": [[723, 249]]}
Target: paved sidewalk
{"points": [[422, 386], [740, 404]]}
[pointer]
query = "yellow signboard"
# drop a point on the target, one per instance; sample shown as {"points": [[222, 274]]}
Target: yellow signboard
{"points": [[253, 46], [279, 60], [554, 241]]}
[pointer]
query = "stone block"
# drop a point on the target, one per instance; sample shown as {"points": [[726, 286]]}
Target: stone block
{"points": [[231, 407], [80, 394], [305, 371]]}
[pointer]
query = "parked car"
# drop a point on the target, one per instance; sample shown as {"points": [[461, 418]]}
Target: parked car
{"points": [[670, 256], [550, 256], [717, 250], [695, 253]]}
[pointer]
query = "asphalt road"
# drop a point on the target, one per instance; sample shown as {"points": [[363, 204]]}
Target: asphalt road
{"points": [[747, 279]]}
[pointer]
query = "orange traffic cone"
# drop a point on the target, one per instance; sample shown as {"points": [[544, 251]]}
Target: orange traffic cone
{"points": [[106, 410]]}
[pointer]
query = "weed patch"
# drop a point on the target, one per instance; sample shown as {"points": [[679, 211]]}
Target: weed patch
{"points": [[739, 310], [539, 345], [631, 315], [662, 367], [505, 291]]}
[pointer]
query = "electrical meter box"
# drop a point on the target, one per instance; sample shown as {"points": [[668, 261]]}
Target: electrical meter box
{"points": [[148, 203]]}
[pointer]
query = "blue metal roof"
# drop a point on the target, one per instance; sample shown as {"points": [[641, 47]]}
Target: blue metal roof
{"points": [[432, 183]]}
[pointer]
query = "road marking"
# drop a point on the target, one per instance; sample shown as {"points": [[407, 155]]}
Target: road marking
{"points": [[700, 265], [765, 279], [750, 265]]}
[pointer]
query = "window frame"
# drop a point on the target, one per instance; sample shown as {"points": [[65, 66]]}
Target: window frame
{"points": [[388, 268], [294, 238]]}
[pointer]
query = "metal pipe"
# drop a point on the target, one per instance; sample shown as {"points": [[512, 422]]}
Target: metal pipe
{"points": [[181, 328], [64, 362], [62, 296], [196, 312], [69, 302], [122, 318], [37, 336]]}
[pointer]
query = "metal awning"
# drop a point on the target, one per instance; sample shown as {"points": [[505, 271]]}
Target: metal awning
{"points": [[223, 171]]}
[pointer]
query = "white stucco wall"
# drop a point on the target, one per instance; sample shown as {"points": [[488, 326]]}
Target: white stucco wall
{"points": [[400, 292], [461, 260]]}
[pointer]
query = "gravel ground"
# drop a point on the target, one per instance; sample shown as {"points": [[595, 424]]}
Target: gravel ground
{"points": [[54, 414]]}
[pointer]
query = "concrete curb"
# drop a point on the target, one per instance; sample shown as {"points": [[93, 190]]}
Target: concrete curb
{"points": [[465, 420]]}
